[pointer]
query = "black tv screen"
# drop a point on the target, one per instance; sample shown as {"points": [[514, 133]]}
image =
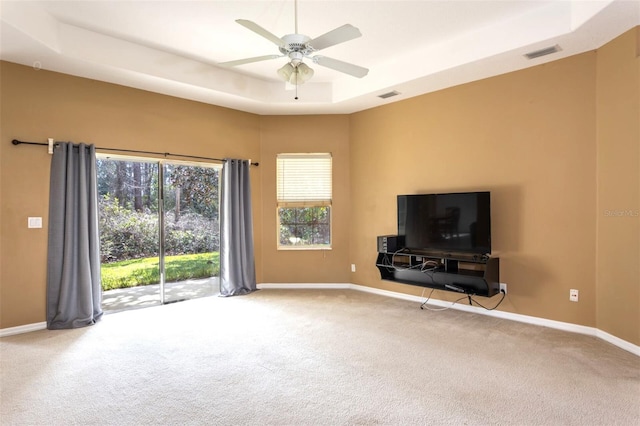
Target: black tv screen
{"points": [[455, 222]]}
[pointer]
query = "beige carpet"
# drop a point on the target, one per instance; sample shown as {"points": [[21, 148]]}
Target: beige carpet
{"points": [[314, 357]]}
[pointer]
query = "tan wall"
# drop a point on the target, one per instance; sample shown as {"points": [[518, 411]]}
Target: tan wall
{"points": [[326, 133], [618, 187], [529, 138], [41, 104], [552, 143]]}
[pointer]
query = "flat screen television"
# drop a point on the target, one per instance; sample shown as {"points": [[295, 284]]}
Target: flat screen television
{"points": [[446, 223]]}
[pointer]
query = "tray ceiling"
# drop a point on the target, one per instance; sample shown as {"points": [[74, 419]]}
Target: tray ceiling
{"points": [[410, 47]]}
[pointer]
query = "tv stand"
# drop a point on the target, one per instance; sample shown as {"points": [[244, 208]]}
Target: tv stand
{"points": [[464, 273]]}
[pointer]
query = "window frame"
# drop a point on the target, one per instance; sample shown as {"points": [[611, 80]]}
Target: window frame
{"points": [[283, 204]]}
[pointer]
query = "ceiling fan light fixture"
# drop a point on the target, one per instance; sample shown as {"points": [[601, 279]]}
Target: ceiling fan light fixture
{"points": [[295, 74], [286, 71], [304, 72], [296, 58]]}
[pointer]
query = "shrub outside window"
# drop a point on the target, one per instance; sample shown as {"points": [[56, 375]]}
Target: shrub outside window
{"points": [[304, 190]]}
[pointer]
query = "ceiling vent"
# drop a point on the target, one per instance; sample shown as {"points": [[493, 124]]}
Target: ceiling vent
{"points": [[389, 94], [543, 52]]}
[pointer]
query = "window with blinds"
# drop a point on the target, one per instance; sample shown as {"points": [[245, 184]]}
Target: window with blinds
{"points": [[304, 190]]}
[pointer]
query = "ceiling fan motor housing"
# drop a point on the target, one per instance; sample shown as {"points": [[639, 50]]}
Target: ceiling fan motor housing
{"points": [[295, 47]]}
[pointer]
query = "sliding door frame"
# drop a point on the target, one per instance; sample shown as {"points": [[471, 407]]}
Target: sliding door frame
{"points": [[161, 162]]}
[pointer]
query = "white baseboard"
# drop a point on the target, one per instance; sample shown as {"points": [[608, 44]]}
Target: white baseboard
{"points": [[616, 341], [559, 325], [10, 331], [309, 286]]}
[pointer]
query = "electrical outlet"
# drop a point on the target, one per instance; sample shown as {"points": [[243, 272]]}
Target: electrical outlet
{"points": [[573, 295], [353, 267], [503, 288]]}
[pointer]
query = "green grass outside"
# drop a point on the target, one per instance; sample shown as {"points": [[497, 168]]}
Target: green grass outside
{"points": [[137, 272]]}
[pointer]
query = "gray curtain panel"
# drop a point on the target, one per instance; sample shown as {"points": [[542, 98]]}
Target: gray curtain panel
{"points": [[74, 294], [237, 265]]}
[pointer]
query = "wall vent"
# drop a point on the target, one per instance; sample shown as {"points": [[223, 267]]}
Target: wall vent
{"points": [[388, 95], [543, 52]]}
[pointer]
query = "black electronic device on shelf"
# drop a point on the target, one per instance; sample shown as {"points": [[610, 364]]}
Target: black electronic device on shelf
{"points": [[446, 244], [390, 243]]}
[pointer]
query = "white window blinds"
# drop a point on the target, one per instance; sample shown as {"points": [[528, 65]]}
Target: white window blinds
{"points": [[304, 177]]}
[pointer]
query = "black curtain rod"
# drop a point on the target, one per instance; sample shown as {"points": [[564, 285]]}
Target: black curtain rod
{"points": [[166, 154]]}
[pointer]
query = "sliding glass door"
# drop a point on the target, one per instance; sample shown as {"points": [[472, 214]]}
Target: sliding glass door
{"points": [[159, 231], [190, 231]]}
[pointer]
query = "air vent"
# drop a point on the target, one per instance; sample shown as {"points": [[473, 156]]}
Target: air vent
{"points": [[388, 95], [543, 52]]}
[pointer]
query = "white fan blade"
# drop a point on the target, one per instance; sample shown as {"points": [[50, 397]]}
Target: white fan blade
{"points": [[339, 35], [261, 31], [248, 60], [345, 67]]}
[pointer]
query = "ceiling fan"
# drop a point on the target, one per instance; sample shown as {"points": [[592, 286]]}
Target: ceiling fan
{"points": [[299, 46]]}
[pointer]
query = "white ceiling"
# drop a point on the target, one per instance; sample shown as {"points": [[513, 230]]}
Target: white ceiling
{"points": [[413, 47]]}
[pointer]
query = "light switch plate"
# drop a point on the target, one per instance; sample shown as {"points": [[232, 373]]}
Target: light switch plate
{"points": [[34, 222]]}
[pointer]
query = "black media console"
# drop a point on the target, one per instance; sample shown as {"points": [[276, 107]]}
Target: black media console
{"points": [[464, 273]]}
